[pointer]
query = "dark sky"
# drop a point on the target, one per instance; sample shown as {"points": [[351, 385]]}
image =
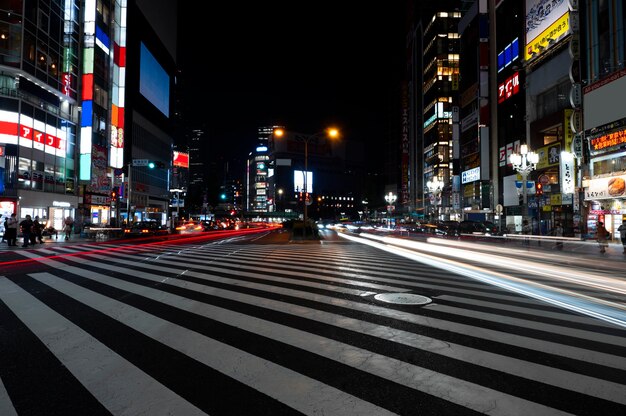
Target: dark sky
{"points": [[302, 65]]}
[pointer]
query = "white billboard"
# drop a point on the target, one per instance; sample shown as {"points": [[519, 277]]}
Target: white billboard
{"points": [[298, 181], [606, 188], [540, 14]]}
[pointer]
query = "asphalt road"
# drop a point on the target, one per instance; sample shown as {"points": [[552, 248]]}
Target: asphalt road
{"points": [[258, 324]]}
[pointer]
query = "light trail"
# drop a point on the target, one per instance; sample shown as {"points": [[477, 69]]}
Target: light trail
{"points": [[611, 312]]}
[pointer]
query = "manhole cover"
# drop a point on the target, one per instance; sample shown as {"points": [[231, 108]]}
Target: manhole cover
{"points": [[403, 298]]}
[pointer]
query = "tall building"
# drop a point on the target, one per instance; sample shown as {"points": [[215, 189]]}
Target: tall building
{"points": [[474, 115], [257, 170], [441, 45], [72, 131], [599, 143], [39, 109], [150, 79]]}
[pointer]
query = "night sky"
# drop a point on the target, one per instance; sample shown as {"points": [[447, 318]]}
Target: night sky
{"points": [[302, 65]]}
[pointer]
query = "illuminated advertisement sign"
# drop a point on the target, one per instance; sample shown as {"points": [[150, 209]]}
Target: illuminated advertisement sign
{"points": [[181, 159], [606, 188], [16, 128], [567, 173], [508, 88], [508, 55], [546, 22], [298, 181], [471, 175], [608, 140]]}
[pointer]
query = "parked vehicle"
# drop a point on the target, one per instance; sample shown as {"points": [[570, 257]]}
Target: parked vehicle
{"points": [[478, 227]]}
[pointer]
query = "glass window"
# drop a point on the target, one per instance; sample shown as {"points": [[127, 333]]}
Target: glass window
{"points": [[24, 173], [37, 176], [29, 47]]}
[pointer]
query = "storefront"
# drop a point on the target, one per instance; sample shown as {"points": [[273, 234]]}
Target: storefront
{"points": [[606, 200], [49, 207]]}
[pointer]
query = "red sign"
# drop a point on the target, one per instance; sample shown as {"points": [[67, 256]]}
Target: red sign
{"points": [[1, 151], [181, 159], [26, 132], [508, 88]]}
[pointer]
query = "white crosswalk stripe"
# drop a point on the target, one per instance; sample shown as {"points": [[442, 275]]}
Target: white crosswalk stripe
{"points": [[295, 328]]}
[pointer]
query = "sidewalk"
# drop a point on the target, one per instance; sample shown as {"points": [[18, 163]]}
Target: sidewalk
{"points": [[48, 242]]}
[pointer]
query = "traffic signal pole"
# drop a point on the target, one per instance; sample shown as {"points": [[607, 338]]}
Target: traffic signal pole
{"points": [[128, 192]]}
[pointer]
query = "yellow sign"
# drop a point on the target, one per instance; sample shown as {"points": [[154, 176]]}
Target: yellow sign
{"points": [[556, 199], [556, 30], [549, 155], [568, 134]]}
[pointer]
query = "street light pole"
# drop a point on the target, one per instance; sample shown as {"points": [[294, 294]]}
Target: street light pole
{"points": [[434, 186], [524, 162], [391, 199], [306, 174], [129, 165], [332, 133]]}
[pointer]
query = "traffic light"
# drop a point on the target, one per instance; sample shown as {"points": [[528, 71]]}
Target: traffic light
{"points": [[113, 195], [155, 164], [539, 188]]}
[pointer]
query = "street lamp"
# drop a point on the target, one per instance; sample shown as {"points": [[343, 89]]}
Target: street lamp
{"points": [[306, 138], [280, 199], [391, 199], [435, 186], [128, 193], [524, 162]]}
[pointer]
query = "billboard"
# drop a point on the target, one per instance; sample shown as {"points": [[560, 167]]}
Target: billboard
{"points": [[545, 20], [154, 82], [181, 159], [298, 181]]}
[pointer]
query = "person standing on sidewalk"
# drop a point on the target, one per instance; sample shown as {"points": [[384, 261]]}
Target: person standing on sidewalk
{"points": [[622, 234], [27, 230], [67, 228], [11, 231], [526, 230], [37, 231], [602, 234], [558, 232]]}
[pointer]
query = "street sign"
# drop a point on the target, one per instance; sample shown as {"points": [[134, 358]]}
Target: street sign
{"points": [[499, 209], [577, 146], [140, 162]]}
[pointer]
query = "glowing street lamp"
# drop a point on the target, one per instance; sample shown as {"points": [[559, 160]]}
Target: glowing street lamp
{"points": [[331, 133], [435, 187], [391, 199], [524, 162]]}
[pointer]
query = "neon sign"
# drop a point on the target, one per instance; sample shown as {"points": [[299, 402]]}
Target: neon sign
{"points": [[508, 88]]}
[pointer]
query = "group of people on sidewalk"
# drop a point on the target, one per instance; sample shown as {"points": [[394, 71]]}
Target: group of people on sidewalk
{"points": [[602, 235], [32, 230]]}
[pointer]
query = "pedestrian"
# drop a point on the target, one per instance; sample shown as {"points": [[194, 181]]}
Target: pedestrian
{"points": [[622, 234], [67, 228], [37, 231], [558, 233], [27, 229], [526, 230], [602, 235], [4, 234], [10, 227]]}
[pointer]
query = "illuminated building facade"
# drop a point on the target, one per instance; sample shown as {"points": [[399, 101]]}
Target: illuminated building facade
{"points": [[440, 87], [39, 70]]}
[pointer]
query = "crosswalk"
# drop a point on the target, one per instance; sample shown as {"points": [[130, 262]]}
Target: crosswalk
{"points": [[237, 328]]}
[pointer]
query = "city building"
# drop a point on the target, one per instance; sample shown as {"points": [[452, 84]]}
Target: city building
{"points": [[601, 144], [440, 87], [39, 109], [151, 71]]}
